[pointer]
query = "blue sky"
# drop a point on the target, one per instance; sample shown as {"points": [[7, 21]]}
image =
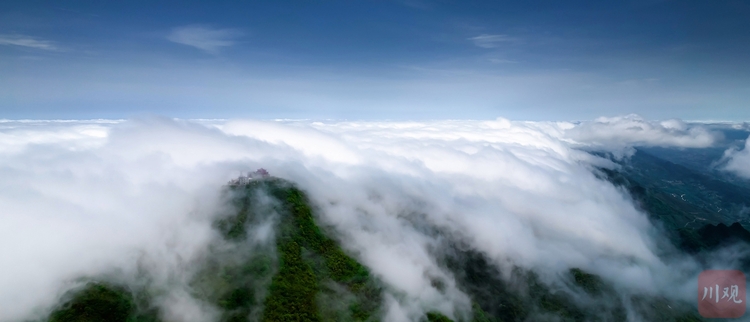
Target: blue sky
{"points": [[406, 59]]}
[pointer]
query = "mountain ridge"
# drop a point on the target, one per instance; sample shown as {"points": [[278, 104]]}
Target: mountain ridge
{"points": [[303, 274]]}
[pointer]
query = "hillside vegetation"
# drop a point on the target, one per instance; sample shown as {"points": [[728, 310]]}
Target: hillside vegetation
{"points": [[303, 275], [300, 273]]}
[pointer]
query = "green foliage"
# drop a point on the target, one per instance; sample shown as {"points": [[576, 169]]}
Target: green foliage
{"points": [[234, 228], [236, 282], [341, 267], [690, 240], [556, 303], [479, 315], [237, 303], [524, 297], [97, 302], [308, 262], [236, 277], [590, 283], [293, 290], [300, 231], [495, 299], [437, 317]]}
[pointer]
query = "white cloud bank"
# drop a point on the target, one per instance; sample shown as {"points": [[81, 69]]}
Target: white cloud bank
{"points": [[205, 38], [82, 198], [617, 133], [738, 160], [27, 41]]}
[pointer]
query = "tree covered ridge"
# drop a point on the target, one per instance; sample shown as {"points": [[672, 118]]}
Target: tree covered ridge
{"points": [[304, 275], [312, 264], [103, 301]]}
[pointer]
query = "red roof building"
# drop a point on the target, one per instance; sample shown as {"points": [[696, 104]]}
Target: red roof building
{"points": [[262, 172]]}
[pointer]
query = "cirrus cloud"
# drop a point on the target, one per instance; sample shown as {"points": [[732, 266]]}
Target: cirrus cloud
{"points": [[28, 42], [490, 41], [203, 37]]}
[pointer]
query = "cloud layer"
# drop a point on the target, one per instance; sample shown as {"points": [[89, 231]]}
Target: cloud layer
{"points": [[88, 198], [618, 133], [205, 38]]}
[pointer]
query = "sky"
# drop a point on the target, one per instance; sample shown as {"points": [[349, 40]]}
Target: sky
{"points": [[375, 60]]}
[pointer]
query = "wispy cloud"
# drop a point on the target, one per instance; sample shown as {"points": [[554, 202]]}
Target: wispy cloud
{"points": [[204, 38], [737, 160], [490, 41], [26, 41]]}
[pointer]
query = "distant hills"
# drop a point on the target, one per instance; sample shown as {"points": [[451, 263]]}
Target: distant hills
{"points": [[694, 197], [699, 209]]}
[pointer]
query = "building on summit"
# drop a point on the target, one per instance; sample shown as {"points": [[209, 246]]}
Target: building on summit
{"points": [[246, 179]]}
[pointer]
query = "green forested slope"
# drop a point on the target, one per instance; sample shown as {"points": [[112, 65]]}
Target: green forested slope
{"points": [[99, 301], [300, 273], [302, 276]]}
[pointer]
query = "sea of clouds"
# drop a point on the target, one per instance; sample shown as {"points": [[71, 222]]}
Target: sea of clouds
{"points": [[94, 198]]}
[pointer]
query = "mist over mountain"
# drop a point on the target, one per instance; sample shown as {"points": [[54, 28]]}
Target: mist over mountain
{"points": [[604, 220], [376, 160]]}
